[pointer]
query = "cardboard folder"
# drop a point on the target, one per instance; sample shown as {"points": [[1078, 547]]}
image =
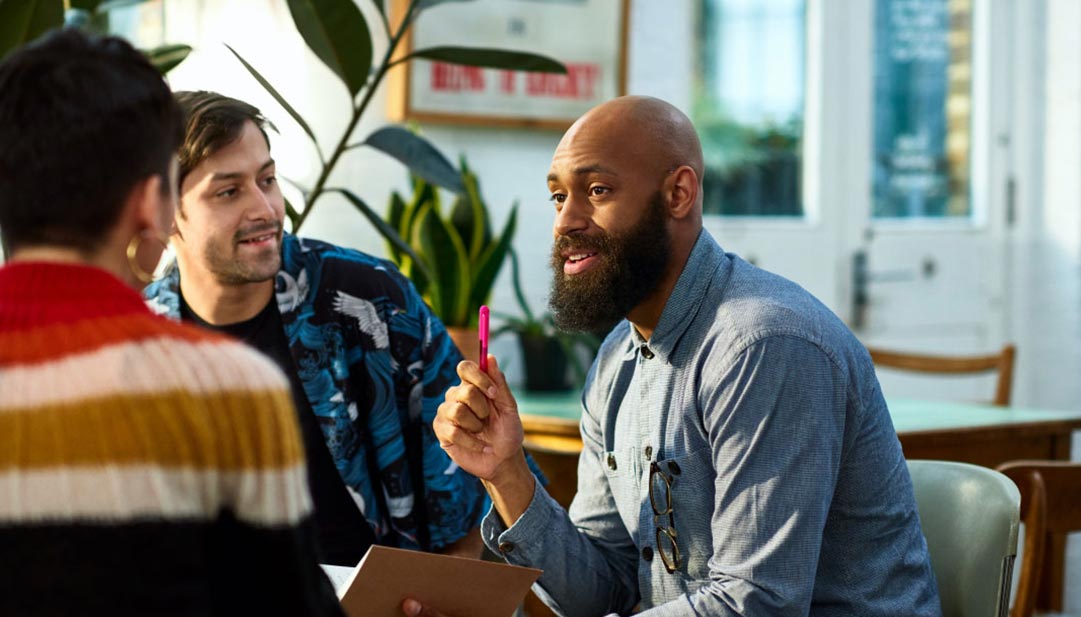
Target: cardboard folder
{"points": [[456, 586]]}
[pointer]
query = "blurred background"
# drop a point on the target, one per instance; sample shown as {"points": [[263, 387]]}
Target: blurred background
{"points": [[916, 164]]}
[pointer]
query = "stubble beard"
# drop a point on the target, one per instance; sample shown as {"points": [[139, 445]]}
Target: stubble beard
{"points": [[230, 268]]}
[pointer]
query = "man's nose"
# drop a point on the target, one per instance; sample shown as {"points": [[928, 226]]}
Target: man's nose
{"points": [[262, 205], [572, 217]]}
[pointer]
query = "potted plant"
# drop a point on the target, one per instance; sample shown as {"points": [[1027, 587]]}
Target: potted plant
{"points": [[453, 257], [546, 352], [337, 32]]}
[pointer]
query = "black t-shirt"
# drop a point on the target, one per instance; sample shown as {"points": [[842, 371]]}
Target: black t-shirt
{"points": [[344, 534]]}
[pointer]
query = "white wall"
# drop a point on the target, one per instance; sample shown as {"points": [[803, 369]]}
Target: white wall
{"points": [[511, 163]]}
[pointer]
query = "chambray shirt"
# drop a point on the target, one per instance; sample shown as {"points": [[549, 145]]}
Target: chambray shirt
{"points": [[790, 494]]}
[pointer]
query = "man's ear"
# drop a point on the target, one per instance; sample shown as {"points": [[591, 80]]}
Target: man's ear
{"points": [[682, 188]]}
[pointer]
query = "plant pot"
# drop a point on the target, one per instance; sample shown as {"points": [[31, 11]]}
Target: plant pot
{"points": [[467, 340], [545, 363]]}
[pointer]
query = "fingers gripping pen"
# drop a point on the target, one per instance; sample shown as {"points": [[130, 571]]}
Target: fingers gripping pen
{"points": [[483, 332]]}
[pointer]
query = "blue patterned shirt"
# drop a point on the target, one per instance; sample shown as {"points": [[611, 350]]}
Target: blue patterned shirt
{"points": [[375, 363], [789, 492]]}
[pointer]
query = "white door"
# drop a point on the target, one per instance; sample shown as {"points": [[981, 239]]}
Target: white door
{"points": [[903, 229]]}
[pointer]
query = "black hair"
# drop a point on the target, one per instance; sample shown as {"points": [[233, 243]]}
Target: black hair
{"points": [[83, 119]]}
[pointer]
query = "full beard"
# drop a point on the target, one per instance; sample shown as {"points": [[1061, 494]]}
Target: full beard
{"points": [[631, 268]]}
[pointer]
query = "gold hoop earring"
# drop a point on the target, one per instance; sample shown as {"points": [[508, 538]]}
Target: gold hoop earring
{"points": [[137, 271]]}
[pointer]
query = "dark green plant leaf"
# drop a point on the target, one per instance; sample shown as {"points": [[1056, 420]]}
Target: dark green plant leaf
{"points": [[22, 21], [418, 154], [516, 282], [380, 225], [423, 197], [292, 214], [86, 5], [449, 265], [166, 57], [490, 261], [336, 31], [277, 97], [395, 212], [490, 58], [379, 6]]}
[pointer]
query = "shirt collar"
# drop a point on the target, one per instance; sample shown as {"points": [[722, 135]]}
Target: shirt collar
{"points": [[705, 260]]}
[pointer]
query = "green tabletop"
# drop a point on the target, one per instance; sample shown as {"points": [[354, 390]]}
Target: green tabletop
{"points": [[909, 415]]}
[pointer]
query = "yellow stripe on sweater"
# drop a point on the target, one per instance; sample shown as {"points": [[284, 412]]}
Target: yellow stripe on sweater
{"points": [[226, 431]]}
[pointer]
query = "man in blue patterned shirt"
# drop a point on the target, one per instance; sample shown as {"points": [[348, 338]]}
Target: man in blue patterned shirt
{"points": [[738, 456], [368, 361]]}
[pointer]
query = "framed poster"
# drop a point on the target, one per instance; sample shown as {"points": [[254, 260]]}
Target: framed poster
{"points": [[588, 36]]}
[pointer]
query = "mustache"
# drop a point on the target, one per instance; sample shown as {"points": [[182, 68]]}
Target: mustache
{"points": [[258, 230], [597, 242]]}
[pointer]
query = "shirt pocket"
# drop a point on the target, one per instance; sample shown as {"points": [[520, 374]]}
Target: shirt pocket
{"points": [[691, 485], [623, 472]]}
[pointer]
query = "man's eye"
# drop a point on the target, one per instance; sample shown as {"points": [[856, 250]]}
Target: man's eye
{"points": [[225, 193], [270, 180], [558, 198], [599, 190]]}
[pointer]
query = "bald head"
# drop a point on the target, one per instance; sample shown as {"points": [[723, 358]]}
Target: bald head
{"points": [[626, 184], [644, 125]]}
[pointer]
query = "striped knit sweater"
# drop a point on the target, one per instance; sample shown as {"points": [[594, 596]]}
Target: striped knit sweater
{"points": [[146, 467]]}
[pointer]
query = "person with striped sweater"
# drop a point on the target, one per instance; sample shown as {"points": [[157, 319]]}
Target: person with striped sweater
{"points": [[146, 467]]}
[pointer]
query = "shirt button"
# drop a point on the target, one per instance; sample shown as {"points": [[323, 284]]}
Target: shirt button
{"points": [[506, 547], [646, 352], [649, 452], [647, 554], [612, 462]]}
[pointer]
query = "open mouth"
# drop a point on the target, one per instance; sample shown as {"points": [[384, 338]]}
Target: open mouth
{"points": [[580, 261], [263, 240]]}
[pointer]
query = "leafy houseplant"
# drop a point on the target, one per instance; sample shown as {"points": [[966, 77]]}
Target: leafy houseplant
{"points": [[21, 21], [338, 33], [454, 258], [546, 351]]}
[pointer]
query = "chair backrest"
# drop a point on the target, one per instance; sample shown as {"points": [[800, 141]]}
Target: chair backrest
{"points": [[1051, 504], [970, 517], [1002, 362]]}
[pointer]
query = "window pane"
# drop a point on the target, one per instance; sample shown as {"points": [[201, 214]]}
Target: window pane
{"points": [[748, 106], [923, 85]]}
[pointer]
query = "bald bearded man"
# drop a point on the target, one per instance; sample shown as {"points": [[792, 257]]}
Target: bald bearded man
{"points": [[738, 456]]}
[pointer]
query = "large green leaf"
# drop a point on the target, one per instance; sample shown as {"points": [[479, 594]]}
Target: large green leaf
{"points": [[491, 261], [22, 21], [490, 58], [449, 264], [292, 214], [335, 30], [277, 97], [469, 216], [86, 5], [166, 57], [395, 212], [418, 154], [380, 225]]}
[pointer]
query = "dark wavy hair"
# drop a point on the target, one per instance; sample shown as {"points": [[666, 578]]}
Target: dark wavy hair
{"points": [[83, 119]]}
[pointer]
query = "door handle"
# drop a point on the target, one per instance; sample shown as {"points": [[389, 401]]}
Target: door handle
{"points": [[862, 277]]}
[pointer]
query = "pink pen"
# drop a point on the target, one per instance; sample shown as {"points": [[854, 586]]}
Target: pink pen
{"points": [[483, 331]]}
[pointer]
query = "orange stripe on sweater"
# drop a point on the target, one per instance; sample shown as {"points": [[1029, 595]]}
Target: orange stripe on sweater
{"points": [[50, 342]]}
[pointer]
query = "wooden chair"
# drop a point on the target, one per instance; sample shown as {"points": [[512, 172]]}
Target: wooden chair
{"points": [[1050, 504], [1002, 362]]}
